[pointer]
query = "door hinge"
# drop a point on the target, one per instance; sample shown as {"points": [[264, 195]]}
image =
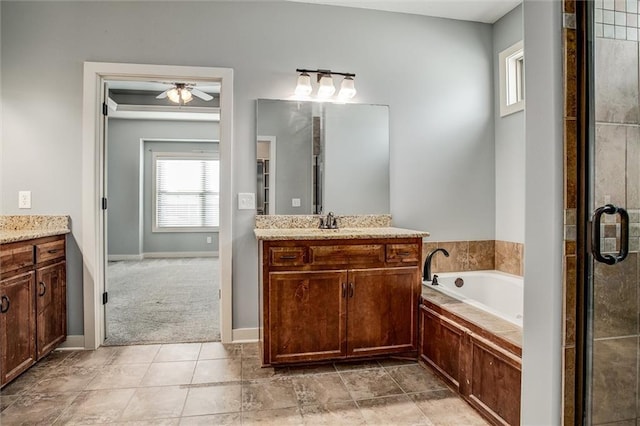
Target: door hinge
{"points": [[105, 109], [219, 294], [105, 298], [104, 203]]}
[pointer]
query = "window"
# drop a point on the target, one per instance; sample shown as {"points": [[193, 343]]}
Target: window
{"points": [[186, 192], [511, 62]]}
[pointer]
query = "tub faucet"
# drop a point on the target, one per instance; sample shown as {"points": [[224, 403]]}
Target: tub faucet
{"points": [[427, 265]]}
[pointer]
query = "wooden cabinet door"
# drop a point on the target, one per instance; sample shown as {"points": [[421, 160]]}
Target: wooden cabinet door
{"points": [[17, 326], [382, 310], [307, 316], [51, 307]]}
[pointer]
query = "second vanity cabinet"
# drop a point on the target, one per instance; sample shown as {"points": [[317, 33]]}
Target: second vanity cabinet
{"points": [[338, 299], [33, 316]]}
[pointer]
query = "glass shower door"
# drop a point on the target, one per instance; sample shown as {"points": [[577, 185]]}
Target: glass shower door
{"points": [[613, 204]]}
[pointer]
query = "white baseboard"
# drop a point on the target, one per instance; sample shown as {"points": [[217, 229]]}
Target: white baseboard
{"points": [[119, 257], [73, 343], [245, 335], [161, 255]]}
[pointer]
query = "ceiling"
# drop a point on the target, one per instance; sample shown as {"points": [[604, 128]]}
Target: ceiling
{"points": [[487, 11]]}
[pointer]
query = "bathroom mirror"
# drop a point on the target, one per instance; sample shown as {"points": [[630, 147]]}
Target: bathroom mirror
{"points": [[314, 157]]}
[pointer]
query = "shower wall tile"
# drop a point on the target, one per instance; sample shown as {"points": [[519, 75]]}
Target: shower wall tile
{"points": [[615, 372], [570, 66], [616, 298], [458, 259], [633, 168], [570, 164], [570, 301], [569, 365], [510, 257], [610, 160], [617, 81]]}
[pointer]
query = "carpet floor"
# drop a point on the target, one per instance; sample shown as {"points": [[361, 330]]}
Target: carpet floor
{"points": [[163, 301]]}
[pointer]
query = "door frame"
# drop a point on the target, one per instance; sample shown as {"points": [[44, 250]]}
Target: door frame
{"points": [[92, 237]]}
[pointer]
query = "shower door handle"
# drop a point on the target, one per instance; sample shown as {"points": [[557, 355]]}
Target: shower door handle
{"points": [[595, 234]]}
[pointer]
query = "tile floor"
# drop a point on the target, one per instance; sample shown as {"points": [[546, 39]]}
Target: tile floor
{"points": [[211, 383]]}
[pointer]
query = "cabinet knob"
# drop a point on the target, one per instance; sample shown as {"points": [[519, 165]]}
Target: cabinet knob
{"points": [[3, 309], [43, 286]]}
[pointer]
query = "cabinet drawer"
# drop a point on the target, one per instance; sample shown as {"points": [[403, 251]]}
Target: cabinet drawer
{"points": [[15, 256], [403, 253], [346, 254], [49, 251], [287, 256]]}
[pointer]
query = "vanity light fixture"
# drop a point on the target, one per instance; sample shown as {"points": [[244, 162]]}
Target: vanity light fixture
{"points": [[326, 88]]}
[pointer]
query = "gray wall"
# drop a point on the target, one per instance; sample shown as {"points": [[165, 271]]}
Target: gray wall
{"points": [[542, 342], [291, 124], [123, 148], [510, 141], [435, 75]]}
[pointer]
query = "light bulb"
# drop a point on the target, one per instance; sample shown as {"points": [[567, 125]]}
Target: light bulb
{"points": [[185, 95], [347, 88], [304, 85], [326, 88], [174, 95]]}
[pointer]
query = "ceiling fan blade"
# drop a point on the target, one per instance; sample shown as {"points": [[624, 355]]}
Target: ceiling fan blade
{"points": [[163, 94], [202, 95]]}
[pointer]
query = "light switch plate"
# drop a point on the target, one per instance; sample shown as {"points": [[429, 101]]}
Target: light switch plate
{"points": [[246, 201], [24, 199], [295, 202]]}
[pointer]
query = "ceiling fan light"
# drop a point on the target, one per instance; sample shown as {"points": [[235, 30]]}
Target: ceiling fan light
{"points": [[347, 88], [303, 87], [185, 95], [326, 88], [174, 95]]}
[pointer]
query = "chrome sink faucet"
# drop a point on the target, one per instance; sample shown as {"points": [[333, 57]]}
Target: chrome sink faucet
{"points": [[329, 222]]}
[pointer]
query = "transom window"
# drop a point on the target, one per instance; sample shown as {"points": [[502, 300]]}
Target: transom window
{"points": [[186, 192]]}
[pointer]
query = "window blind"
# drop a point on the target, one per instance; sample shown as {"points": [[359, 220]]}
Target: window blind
{"points": [[187, 192]]}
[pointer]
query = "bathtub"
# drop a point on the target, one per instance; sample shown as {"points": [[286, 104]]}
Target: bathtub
{"points": [[496, 292]]}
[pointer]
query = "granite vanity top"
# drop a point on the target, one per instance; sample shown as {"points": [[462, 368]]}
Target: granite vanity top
{"points": [[305, 227], [27, 227]]}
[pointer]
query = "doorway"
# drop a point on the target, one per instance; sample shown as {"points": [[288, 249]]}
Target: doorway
{"points": [[94, 225], [608, 215]]}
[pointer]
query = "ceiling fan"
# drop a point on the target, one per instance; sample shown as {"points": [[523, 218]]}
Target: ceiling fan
{"points": [[182, 93]]}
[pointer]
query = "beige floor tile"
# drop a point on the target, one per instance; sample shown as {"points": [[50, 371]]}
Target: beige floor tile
{"points": [[169, 373], [344, 413], [217, 371], [159, 402], [54, 359], [357, 365], [365, 384], [152, 422], [250, 350], [444, 407], [252, 370], [415, 378], [26, 381], [303, 370], [178, 352], [283, 416], [65, 379], [268, 395], [392, 410], [320, 389], [395, 362], [7, 400], [101, 406], [217, 350], [88, 359], [36, 409], [118, 376], [135, 354], [214, 419], [213, 400]]}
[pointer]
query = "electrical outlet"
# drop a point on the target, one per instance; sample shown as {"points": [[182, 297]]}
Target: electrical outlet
{"points": [[24, 199], [246, 201], [208, 240], [295, 202]]}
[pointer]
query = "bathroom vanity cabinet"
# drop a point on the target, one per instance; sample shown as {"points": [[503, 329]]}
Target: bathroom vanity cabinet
{"points": [[33, 315], [339, 298]]}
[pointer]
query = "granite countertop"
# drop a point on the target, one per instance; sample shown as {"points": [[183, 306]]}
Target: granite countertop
{"points": [[332, 234], [28, 227]]}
